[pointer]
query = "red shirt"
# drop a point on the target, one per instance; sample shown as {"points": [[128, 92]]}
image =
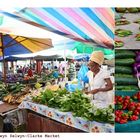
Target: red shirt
{"points": [[30, 73]]}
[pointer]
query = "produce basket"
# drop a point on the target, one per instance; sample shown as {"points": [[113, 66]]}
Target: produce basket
{"points": [[130, 126]]}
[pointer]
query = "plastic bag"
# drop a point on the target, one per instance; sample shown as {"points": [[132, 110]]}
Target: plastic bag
{"points": [[82, 74], [55, 74], [73, 87]]}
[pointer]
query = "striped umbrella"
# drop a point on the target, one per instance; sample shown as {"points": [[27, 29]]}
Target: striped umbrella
{"points": [[94, 25], [13, 45]]}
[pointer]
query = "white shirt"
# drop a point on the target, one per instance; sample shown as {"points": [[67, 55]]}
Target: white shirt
{"points": [[99, 82]]}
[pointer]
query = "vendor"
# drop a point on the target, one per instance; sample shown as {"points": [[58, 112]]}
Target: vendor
{"points": [[99, 79], [30, 72]]}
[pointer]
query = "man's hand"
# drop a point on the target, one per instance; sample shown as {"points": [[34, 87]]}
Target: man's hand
{"points": [[87, 92], [94, 91]]}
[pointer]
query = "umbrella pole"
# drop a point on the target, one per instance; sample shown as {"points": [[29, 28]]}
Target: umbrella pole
{"points": [[4, 65], [65, 62]]}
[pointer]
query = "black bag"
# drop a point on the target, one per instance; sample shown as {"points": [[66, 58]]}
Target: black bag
{"points": [[8, 127]]}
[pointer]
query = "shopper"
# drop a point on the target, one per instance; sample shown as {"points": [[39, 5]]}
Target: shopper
{"points": [[71, 70]]}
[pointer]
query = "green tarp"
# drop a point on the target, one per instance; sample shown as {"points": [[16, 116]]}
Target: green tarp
{"points": [[1, 20], [88, 49]]}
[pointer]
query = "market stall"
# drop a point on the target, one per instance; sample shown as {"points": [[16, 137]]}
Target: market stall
{"points": [[52, 103], [47, 113], [20, 45], [72, 109]]}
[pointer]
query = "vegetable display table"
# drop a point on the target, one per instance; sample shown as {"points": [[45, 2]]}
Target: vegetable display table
{"points": [[39, 123], [5, 108], [65, 118], [131, 126]]}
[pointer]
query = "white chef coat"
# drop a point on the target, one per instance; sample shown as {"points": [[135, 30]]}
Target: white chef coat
{"points": [[99, 82]]}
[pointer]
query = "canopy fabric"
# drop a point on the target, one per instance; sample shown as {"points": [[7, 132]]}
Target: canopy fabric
{"points": [[1, 19], [82, 57], [83, 48], [94, 25], [85, 24], [9, 25], [45, 54], [54, 51], [14, 45]]}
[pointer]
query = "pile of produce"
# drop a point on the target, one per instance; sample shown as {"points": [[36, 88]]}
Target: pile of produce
{"points": [[124, 78], [127, 10], [119, 44], [15, 93], [27, 79], [77, 103], [127, 108], [123, 33], [137, 21], [121, 22], [13, 78], [50, 77], [3, 91], [137, 37], [46, 77]]}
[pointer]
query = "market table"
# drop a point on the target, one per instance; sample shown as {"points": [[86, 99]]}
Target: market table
{"points": [[65, 118], [5, 109], [131, 126], [130, 41]]}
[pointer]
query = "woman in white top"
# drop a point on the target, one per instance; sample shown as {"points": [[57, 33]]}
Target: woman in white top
{"points": [[99, 79]]}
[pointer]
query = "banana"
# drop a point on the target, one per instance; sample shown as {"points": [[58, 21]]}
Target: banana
{"points": [[6, 98], [10, 98]]}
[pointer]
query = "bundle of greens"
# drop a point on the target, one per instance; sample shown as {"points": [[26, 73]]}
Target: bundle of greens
{"points": [[75, 102], [137, 37], [127, 10], [123, 33], [118, 44], [121, 22], [3, 91]]}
